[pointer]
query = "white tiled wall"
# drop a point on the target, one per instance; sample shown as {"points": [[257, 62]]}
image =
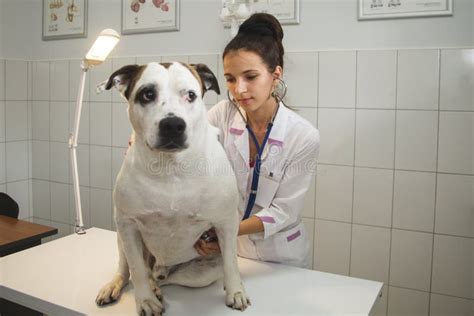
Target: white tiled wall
{"points": [[15, 140], [393, 197]]}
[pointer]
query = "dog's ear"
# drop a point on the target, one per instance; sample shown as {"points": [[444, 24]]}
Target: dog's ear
{"points": [[209, 81], [122, 79]]}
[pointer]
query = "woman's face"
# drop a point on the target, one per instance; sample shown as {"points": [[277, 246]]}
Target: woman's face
{"points": [[248, 79]]}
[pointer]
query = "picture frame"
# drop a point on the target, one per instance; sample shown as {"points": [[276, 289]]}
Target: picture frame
{"points": [[394, 9], [64, 19], [147, 16], [286, 11]]}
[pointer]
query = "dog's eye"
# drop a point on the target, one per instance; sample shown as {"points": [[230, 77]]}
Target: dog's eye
{"points": [[191, 96], [148, 95]]}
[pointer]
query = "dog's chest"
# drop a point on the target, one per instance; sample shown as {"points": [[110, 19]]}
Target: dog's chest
{"points": [[171, 237]]}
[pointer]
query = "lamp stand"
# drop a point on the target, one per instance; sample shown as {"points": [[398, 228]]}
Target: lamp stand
{"points": [[79, 224]]}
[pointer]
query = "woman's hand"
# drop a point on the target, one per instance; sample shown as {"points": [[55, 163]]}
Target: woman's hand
{"points": [[207, 244]]}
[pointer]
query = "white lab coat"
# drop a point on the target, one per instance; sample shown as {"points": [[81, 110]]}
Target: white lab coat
{"points": [[288, 164]]}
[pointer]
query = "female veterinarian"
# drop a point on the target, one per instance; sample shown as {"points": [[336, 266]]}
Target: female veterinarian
{"points": [[271, 148]]}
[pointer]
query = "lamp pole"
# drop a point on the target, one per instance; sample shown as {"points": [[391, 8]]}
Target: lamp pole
{"points": [[99, 51]]}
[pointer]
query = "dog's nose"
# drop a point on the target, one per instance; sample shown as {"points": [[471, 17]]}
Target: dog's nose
{"points": [[172, 127]]}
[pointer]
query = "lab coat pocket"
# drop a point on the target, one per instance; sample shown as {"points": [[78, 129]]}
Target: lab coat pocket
{"points": [[267, 186], [289, 247]]}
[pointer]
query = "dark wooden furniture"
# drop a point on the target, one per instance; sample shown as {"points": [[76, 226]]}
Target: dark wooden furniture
{"points": [[17, 235]]}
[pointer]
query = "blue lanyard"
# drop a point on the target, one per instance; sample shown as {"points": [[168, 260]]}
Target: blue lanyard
{"points": [[256, 170]]}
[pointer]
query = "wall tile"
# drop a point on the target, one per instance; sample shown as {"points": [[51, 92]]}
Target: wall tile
{"points": [[59, 118], [17, 161], [301, 77], [337, 79], [16, 117], [40, 120], [101, 167], [309, 227], [411, 255], [332, 247], [63, 230], [20, 192], [3, 159], [442, 305], [417, 80], [2, 79], [121, 126], [455, 205], [452, 266], [375, 138], [336, 127], [416, 140], [414, 200], [310, 114], [376, 79], [334, 193], [118, 155], [221, 80], [101, 208], [457, 79], [97, 76], [142, 60], [40, 159], [60, 162], [59, 88], [60, 202], [17, 84], [373, 196], [370, 253], [40, 81], [101, 123], [456, 156], [180, 58], [210, 97], [408, 302], [41, 199], [2, 121]]}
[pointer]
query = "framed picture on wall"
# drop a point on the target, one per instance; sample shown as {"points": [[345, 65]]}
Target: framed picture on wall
{"points": [[286, 11], [144, 16], [64, 19], [392, 9]]}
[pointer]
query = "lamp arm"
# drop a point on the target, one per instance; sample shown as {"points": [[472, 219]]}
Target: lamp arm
{"points": [[79, 224]]}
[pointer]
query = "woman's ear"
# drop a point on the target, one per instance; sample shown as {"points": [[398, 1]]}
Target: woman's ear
{"points": [[278, 72]]}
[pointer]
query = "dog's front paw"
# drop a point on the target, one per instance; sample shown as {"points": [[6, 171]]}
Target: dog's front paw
{"points": [[148, 305], [110, 292], [238, 300]]}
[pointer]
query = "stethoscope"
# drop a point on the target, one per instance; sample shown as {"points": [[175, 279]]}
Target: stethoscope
{"points": [[260, 148]]}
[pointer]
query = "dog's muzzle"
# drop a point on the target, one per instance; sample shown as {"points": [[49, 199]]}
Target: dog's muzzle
{"points": [[172, 133]]}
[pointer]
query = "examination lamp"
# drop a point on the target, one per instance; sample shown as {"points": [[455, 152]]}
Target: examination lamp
{"points": [[99, 51]]}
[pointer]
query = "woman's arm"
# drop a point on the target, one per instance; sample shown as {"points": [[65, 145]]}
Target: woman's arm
{"points": [[251, 225]]}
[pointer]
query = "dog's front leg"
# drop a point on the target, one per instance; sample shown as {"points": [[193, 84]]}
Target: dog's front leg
{"points": [[146, 302], [236, 297], [111, 291]]}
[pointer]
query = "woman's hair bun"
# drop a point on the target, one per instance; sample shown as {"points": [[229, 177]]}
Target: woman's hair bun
{"points": [[262, 24]]}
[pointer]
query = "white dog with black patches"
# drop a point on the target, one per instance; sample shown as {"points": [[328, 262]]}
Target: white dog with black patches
{"points": [[175, 183]]}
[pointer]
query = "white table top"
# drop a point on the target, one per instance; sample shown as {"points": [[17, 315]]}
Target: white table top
{"points": [[63, 277]]}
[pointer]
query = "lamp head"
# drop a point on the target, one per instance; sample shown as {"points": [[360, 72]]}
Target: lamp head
{"points": [[102, 47]]}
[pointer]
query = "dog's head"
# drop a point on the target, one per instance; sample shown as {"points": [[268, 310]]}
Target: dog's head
{"points": [[165, 101]]}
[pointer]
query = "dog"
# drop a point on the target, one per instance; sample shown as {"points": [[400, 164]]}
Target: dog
{"points": [[175, 183]]}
